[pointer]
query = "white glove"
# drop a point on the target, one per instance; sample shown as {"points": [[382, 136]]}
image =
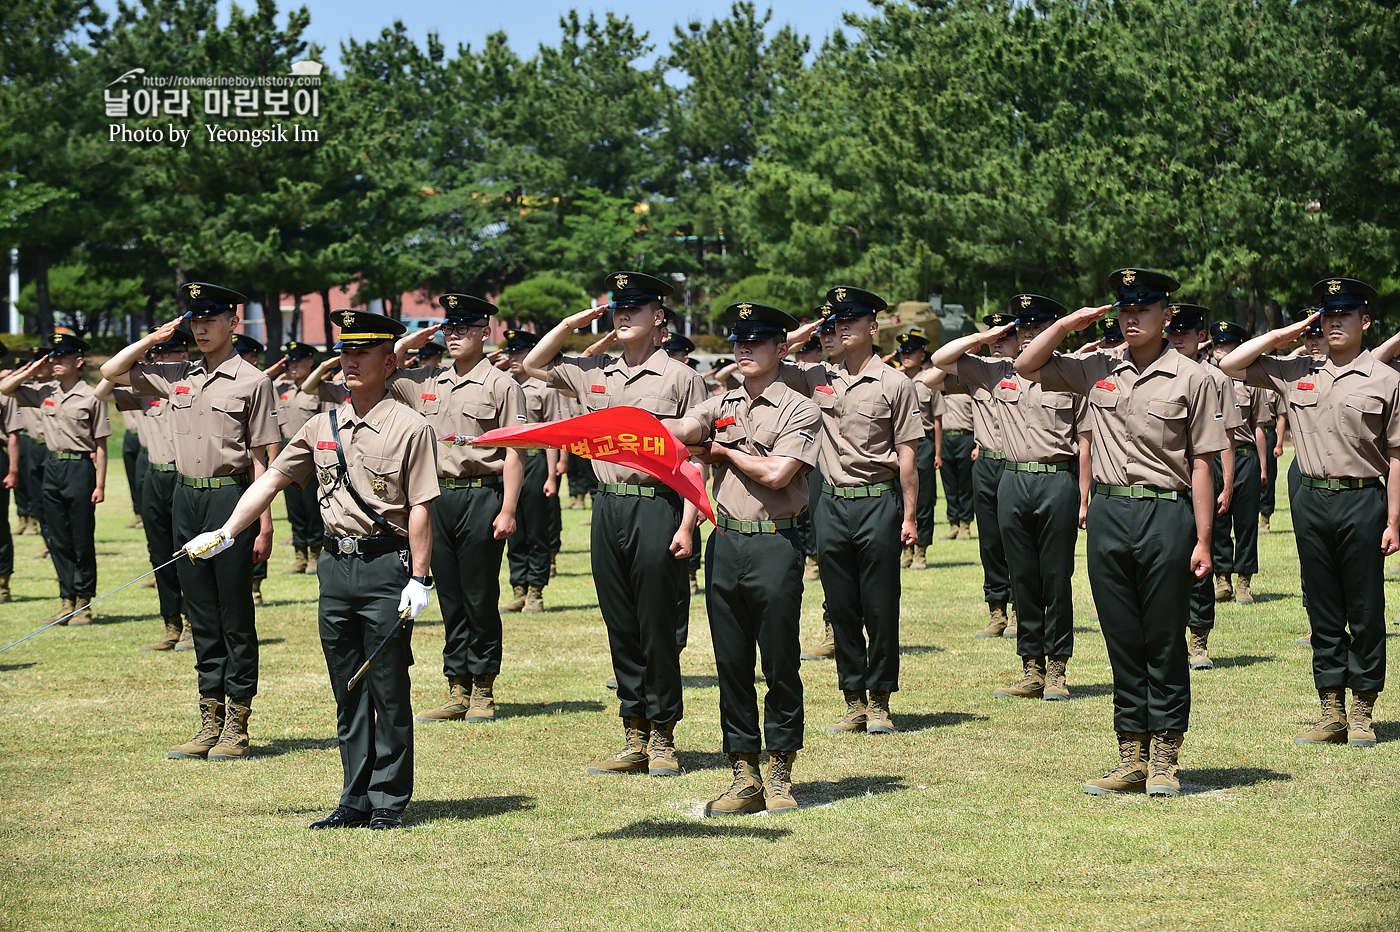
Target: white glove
{"points": [[209, 544], [414, 598]]}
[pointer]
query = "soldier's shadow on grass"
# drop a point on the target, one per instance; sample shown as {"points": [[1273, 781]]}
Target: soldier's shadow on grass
{"points": [[1195, 780], [565, 707], [921, 649], [702, 760], [461, 810], [825, 792], [1089, 690], [655, 828], [922, 721], [1243, 660], [949, 564], [1260, 597], [264, 642], [292, 745], [708, 682], [590, 607], [1386, 731], [10, 667]]}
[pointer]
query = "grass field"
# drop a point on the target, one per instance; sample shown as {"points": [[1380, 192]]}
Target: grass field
{"points": [[971, 818]]}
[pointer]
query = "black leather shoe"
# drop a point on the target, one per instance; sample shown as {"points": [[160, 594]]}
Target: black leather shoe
{"points": [[385, 818], [344, 817]]}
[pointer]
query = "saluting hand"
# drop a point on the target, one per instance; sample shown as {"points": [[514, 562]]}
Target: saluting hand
{"points": [[584, 318], [992, 334], [802, 334], [165, 331], [419, 338], [1287, 336], [1085, 316]]}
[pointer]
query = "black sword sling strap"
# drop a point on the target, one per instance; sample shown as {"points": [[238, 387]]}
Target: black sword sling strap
{"points": [[379, 520]]}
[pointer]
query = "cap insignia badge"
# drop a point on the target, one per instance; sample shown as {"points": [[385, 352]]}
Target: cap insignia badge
{"points": [[1025, 300], [1334, 286], [194, 291], [1129, 276], [621, 281], [451, 300], [347, 320], [745, 311], [840, 294]]}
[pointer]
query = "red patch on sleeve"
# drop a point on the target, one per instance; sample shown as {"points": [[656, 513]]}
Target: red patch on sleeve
{"points": [[724, 422], [1106, 385], [327, 445], [182, 389], [1007, 383], [826, 389], [1307, 386], [598, 389], [428, 396]]}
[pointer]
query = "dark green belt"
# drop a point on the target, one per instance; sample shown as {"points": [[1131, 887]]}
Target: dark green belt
{"points": [[622, 488], [755, 527], [1136, 491], [39, 440], [162, 467], [1012, 466], [992, 455], [474, 482], [956, 433], [213, 482], [1239, 451], [55, 455], [1338, 484], [859, 491]]}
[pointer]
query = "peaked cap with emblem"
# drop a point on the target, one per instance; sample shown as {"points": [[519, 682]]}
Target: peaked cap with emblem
{"points": [[179, 340], [1339, 295], [1141, 287], [758, 322], [1313, 329], [517, 340], [848, 303], [466, 308], [1035, 308], [723, 361], [911, 342], [999, 319], [828, 325], [66, 344], [39, 352], [1227, 331], [242, 343], [1112, 333], [206, 300], [1187, 317], [294, 350], [637, 289], [360, 329], [678, 344], [811, 346]]}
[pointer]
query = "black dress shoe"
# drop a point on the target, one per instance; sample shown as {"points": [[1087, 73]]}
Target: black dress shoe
{"points": [[344, 817], [385, 818]]}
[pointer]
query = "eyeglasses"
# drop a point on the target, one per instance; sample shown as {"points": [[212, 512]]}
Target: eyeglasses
{"points": [[461, 330]]}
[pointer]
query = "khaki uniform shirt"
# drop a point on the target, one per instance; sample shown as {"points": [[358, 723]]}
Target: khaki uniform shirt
{"points": [[295, 407], [1148, 423], [29, 419], [73, 421], [779, 422], [1233, 417], [131, 420], [463, 407], [1344, 418], [660, 385], [10, 422], [542, 403], [217, 417], [1256, 409], [865, 417], [986, 429], [1036, 426], [930, 406], [391, 455], [957, 412], [154, 431]]}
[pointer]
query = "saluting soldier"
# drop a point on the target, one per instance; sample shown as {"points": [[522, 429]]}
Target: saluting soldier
{"points": [[958, 442], [373, 462], [251, 350], [75, 478], [866, 510], [134, 459], [9, 469], [529, 547], [1186, 331], [761, 438], [642, 530], [912, 354], [809, 352], [222, 414], [835, 352], [294, 408], [1155, 421], [1345, 415], [34, 453], [1040, 493], [481, 494], [158, 492]]}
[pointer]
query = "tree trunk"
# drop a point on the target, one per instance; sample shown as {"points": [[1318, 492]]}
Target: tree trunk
{"points": [[41, 292], [148, 317], [272, 323], [296, 319], [326, 317]]}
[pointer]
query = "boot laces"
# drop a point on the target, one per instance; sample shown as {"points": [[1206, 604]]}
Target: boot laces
{"points": [[741, 778], [1198, 642], [780, 770], [1161, 761]]}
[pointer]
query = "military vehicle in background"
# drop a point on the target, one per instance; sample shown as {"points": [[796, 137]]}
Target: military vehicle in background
{"points": [[938, 321]]}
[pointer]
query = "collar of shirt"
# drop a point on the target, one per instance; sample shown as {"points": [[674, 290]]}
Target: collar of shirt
{"points": [[655, 364], [476, 373], [377, 415], [772, 394], [1362, 365], [1167, 363], [873, 370], [228, 368]]}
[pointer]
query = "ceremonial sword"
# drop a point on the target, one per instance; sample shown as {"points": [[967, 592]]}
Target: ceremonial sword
{"points": [[404, 617]]}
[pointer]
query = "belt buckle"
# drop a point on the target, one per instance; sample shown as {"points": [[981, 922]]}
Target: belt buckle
{"points": [[1334, 485], [1137, 491], [347, 545]]}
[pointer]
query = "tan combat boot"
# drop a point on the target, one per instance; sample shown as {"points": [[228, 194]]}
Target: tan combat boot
{"points": [[694, 585], [1162, 769], [1056, 685], [996, 624], [810, 570], [5, 588], [65, 607], [482, 706], [878, 721], [1013, 626], [42, 554], [920, 557], [1031, 685], [633, 756], [534, 600], [186, 641], [1242, 594], [965, 530], [172, 635], [1223, 590], [148, 583], [135, 522], [826, 650], [211, 725], [661, 751], [1263, 524], [313, 556], [1130, 776], [1197, 653], [778, 790], [906, 557], [516, 602], [84, 614], [857, 713], [257, 592], [953, 528], [233, 740], [1360, 733], [1332, 726], [745, 794], [298, 563], [553, 564], [455, 708], [1305, 640]]}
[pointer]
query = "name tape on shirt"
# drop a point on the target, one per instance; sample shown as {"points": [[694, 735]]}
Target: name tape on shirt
{"points": [[597, 389], [283, 396], [1106, 385], [724, 422], [327, 445], [48, 402], [826, 389], [428, 396], [1008, 383], [182, 389], [1307, 386]]}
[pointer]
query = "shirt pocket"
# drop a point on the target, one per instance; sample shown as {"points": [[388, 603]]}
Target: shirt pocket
{"points": [[429, 401], [1167, 423], [383, 478], [327, 468], [1103, 399], [765, 438], [484, 415], [1059, 408], [1302, 410], [1361, 417], [662, 406], [875, 417], [180, 414], [227, 417]]}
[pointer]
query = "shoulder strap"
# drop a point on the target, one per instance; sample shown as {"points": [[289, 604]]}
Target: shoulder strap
{"points": [[375, 516]]}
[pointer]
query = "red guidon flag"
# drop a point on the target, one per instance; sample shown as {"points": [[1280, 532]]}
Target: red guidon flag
{"points": [[628, 437]]}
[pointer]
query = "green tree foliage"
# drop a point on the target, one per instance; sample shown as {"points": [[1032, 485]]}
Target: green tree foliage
{"points": [[542, 301]]}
